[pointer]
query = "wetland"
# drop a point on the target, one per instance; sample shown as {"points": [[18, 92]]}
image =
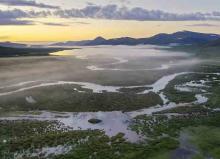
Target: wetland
{"points": [[119, 102]]}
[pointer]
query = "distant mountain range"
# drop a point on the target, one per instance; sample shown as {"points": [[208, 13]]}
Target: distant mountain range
{"points": [[178, 38], [15, 52], [14, 45]]}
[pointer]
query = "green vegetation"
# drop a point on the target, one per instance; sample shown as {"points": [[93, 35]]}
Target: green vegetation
{"points": [[187, 110], [158, 125], [117, 148], [177, 96], [197, 126], [214, 97], [206, 139], [64, 98], [161, 132], [37, 135], [17, 136], [211, 85]]}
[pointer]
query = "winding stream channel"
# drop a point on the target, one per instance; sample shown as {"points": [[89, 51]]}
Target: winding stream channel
{"points": [[112, 122]]}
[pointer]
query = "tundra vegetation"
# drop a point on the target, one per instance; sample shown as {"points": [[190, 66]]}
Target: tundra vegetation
{"points": [[191, 130]]}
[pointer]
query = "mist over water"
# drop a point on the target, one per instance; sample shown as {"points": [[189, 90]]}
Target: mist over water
{"points": [[100, 69], [130, 58], [121, 51], [107, 65]]}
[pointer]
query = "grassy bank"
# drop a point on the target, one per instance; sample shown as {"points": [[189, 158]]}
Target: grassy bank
{"points": [[85, 144], [201, 129], [163, 138], [64, 98]]}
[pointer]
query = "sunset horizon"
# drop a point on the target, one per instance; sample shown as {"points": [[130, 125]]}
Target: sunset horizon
{"points": [[109, 79], [40, 20]]}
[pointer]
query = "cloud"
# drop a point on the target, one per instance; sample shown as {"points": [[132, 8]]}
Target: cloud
{"points": [[13, 14], [15, 22], [90, 3], [125, 1], [29, 3], [115, 12], [4, 37], [18, 13], [14, 17], [11, 17], [203, 25], [54, 24], [83, 23], [109, 12], [62, 24]]}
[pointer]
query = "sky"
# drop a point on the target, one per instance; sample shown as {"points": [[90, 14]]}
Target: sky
{"points": [[65, 20]]}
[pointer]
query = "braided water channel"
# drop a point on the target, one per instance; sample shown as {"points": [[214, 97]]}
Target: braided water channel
{"points": [[111, 122]]}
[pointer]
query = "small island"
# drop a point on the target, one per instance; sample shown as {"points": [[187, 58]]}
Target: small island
{"points": [[94, 121]]}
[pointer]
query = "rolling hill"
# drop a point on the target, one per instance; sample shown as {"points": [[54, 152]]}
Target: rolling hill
{"points": [[179, 38], [15, 52]]}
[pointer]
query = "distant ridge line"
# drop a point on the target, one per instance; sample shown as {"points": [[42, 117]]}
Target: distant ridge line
{"points": [[181, 38]]}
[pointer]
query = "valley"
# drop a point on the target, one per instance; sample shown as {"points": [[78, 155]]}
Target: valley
{"points": [[110, 102]]}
